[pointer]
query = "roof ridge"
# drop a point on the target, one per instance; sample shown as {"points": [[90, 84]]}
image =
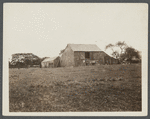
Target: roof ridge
{"points": [[80, 44], [84, 47]]}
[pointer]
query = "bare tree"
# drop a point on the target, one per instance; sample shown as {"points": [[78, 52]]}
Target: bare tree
{"points": [[114, 53], [109, 46], [121, 45]]}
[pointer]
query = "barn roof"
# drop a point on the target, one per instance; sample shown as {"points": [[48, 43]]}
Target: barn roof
{"points": [[50, 59], [84, 47]]}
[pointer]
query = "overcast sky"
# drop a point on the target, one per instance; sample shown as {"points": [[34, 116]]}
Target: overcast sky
{"points": [[45, 28]]}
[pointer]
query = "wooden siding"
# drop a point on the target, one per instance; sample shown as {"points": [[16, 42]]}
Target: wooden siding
{"points": [[52, 64], [46, 64], [57, 62], [67, 58], [110, 60], [100, 56], [79, 58], [97, 56]]}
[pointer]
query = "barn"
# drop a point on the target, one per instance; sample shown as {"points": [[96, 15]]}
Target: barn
{"points": [[84, 54], [51, 62]]}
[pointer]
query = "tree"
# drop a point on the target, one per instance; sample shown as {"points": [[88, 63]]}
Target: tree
{"points": [[126, 53], [130, 55], [116, 54], [10, 65], [111, 46], [25, 60], [122, 46]]}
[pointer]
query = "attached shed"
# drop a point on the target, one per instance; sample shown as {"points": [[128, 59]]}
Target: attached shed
{"points": [[82, 54], [51, 62], [110, 60]]}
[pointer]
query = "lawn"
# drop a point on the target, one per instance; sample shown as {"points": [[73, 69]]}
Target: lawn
{"points": [[86, 88]]}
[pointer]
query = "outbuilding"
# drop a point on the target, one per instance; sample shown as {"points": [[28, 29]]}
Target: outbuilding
{"points": [[51, 62]]}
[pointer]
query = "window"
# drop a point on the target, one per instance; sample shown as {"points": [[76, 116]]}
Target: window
{"points": [[87, 55]]}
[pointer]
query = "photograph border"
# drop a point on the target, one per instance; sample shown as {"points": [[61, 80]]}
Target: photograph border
{"points": [[4, 70]]}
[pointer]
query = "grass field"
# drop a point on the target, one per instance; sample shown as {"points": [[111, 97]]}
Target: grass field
{"points": [[89, 88]]}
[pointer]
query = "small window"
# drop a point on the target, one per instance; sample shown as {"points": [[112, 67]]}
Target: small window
{"points": [[87, 55]]}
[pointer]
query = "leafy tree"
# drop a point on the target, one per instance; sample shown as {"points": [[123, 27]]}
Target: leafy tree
{"points": [[25, 60], [130, 55], [10, 64]]}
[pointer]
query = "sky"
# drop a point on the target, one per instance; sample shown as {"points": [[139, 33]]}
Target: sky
{"points": [[46, 28]]}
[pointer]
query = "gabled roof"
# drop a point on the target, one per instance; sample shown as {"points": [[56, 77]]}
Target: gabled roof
{"points": [[50, 59], [84, 47]]}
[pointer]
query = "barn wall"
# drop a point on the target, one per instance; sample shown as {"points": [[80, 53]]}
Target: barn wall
{"points": [[43, 65], [77, 58], [100, 56], [111, 60], [104, 58], [114, 61], [57, 62], [80, 60], [107, 60], [67, 58], [46, 65], [51, 64]]}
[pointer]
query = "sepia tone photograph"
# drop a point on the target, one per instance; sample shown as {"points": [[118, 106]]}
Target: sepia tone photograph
{"points": [[75, 57]]}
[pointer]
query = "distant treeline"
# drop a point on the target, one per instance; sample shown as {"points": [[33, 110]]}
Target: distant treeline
{"points": [[25, 60]]}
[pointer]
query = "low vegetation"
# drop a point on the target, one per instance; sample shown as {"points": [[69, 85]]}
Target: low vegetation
{"points": [[88, 88]]}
